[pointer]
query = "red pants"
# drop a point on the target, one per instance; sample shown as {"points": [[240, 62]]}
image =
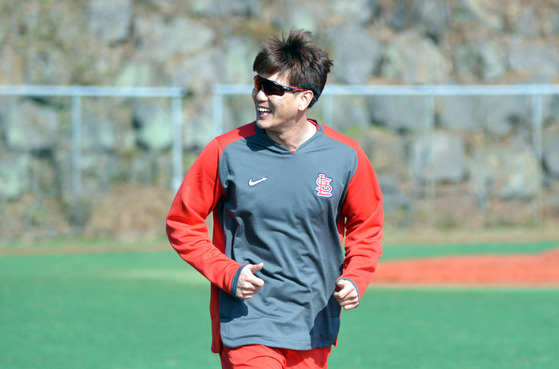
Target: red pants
{"points": [[263, 357]]}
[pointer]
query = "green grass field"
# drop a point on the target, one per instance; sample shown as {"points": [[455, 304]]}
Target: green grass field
{"points": [[150, 310]]}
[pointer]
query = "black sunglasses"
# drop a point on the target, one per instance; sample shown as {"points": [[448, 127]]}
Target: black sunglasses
{"points": [[273, 88]]}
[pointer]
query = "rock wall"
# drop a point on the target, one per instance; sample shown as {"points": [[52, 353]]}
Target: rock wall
{"points": [[484, 151]]}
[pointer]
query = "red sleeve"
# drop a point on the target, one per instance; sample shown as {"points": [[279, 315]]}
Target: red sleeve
{"points": [[364, 219], [196, 198]]}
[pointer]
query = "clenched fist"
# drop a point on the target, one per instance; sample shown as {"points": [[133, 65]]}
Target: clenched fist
{"points": [[347, 295], [248, 283]]}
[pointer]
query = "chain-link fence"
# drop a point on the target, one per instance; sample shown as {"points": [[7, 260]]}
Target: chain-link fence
{"points": [[447, 157], [105, 162], [101, 161]]}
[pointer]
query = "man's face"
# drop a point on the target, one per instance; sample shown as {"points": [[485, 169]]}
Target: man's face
{"points": [[273, 112]]}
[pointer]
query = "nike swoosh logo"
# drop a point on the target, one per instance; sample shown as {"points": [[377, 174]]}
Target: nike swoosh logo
{"points": [[254, 183]]}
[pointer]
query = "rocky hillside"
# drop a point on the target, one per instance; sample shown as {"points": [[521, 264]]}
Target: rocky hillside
{"points": [[485, 156]]}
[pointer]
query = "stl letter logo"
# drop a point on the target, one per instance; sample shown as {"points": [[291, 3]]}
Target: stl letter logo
{"points": [[323, 186]]}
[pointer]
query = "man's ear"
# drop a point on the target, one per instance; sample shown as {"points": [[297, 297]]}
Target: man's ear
{"points": [[305, 99]]}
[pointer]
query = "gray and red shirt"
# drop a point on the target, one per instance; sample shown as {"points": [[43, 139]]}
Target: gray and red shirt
{"points": [[311, 216]]}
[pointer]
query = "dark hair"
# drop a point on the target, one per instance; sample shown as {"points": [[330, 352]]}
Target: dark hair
{"points": [[303, 65]]}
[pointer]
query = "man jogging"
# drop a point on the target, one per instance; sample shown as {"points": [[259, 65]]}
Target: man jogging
{"points": [[298, 219]]}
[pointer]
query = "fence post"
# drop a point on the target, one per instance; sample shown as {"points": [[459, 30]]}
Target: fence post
{"points": [[76, 216], [537, 137], [217, 112], [429, 101], [328, 109], [177, 142]]}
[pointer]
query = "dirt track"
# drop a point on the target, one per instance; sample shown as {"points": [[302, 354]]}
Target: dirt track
{"points": [[513, 270], [500, 270]]}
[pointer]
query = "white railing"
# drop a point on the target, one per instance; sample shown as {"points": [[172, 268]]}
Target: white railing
{"points": [[78, 92], [428, 92], [535, 92]]}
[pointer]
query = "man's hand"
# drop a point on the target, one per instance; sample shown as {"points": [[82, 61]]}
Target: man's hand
{"points": [[346, 295], [248, 283]]}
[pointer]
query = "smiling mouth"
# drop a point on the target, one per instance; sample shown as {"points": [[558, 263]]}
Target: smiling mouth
{"points": [[261, 110]]}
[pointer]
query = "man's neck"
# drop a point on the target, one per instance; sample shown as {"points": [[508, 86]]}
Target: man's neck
{"points": [[298, 134]]}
